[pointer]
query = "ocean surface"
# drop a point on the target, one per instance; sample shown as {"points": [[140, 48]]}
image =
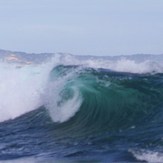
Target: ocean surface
{"points": [[82, 109]]}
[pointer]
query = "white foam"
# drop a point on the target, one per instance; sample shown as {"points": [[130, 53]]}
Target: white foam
{"points": [[125, 65], [20, 88], [149, 156], [61, 112], [121, 64]]}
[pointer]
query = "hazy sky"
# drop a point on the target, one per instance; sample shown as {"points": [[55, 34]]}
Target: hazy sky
{"points": [[82, 27]]}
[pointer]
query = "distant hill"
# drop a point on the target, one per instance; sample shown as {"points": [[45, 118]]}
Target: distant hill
{"points": [[28, 58], [22, 57]]}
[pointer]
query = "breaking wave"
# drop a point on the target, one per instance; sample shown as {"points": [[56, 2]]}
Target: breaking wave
{"points": [[83, 106], [26, 87]]}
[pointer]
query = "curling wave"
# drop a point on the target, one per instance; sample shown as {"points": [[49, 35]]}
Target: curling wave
{"points": [[100, 99], [106, 109]]}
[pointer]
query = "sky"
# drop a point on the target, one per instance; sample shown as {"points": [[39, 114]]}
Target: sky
{"points": [[82, 27]]}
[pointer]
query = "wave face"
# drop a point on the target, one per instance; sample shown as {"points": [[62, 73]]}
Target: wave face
{"points": [[87, 111], [103, 99]]}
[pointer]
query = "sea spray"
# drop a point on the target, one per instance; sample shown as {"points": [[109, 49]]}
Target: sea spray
{"points": [[21, 87]]}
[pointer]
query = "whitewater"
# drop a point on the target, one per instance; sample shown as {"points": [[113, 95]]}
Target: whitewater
{"points": [[75, 108]]}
